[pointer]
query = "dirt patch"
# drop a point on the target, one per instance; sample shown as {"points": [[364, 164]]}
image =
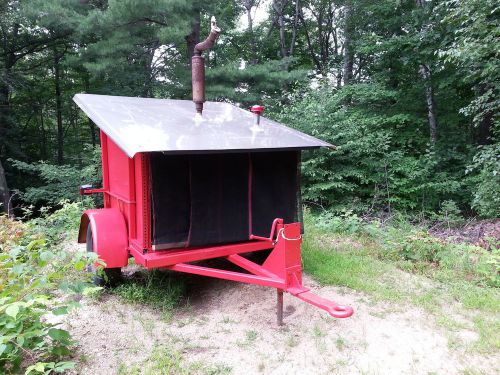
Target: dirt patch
{"points": [[232, 327], [484, 233]]}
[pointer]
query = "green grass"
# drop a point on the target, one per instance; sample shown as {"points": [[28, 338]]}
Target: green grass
{"points": [[168, 359], [371, 259], [153, 288]]}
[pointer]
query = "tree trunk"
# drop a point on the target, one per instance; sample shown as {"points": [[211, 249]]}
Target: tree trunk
{"points": [[4, 117], [309, 43], [4, 192], [485, 126], [43, 143], [279, 8], [348, 48], [93, 135], [431, 105], [426, 74], [149, 77], [60, 129], [295, 25], [248, 5]]}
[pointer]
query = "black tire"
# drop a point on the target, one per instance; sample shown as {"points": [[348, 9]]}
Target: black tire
{"points": [[102, 277]]}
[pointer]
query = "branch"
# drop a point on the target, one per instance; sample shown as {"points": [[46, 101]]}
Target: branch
{"points": [[309, 44]]}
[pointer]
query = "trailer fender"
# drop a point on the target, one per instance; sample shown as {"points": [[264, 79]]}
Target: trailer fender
{"points": [[109, 234]]}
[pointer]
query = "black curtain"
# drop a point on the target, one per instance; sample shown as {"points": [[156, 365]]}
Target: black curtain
{"points": [[208, 199]]}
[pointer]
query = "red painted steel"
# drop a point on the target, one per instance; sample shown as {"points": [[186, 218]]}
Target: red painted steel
{"points": [[257, 109], [109, 234], [276, 222], [228, 275], [90, 191], [123, 229], [155, 259]]}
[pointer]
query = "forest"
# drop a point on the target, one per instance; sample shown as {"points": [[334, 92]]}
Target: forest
{"points": [[406, 89]]}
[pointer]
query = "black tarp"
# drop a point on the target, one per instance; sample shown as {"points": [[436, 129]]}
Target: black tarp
{"points": [[207, 199]]}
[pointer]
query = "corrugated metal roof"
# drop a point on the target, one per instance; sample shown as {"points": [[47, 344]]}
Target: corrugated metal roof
{"points": [[147, 125]]}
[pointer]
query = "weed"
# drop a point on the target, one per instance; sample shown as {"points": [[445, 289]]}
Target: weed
{"points": [[83, 358], [317, 332], [250, 337], [217, 369], [167, 315], [167, 359], [124, 370], [489, 333], [340, 343], [228, 320], [147, 324], [153, 288], [472, 371], [292, 341]]}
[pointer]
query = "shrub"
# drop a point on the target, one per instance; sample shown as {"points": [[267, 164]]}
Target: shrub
{"points": [[60, 182], [449, 213], [345, 223], [30, 272], [486, 197]]}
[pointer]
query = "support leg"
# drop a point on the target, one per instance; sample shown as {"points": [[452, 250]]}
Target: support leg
{"points": [[279, 306]]}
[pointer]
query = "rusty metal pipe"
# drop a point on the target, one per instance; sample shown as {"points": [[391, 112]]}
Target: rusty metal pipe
{"points": [[198, 66]]}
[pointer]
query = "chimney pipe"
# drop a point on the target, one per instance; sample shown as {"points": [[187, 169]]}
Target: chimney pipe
{"points": [[198, 66]]}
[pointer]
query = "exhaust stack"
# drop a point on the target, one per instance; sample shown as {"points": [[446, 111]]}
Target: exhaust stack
{"points": [[198, 66]]}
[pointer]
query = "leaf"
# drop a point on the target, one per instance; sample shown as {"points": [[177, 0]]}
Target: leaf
{"points": [[63, 366], [62, 310], [37, 367], [80, 265], [12, 310], [2, 349], [59, 334]]}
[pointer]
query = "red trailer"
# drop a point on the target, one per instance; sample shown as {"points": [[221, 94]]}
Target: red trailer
{"points": [[180, 187]]}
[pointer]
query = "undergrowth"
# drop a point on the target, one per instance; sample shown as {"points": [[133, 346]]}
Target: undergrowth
{"points": [[154, 288], [36, 274]]}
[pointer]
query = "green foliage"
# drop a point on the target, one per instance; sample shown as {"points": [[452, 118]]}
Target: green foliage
{"points": [[58, 225], [449, 213], [411, 247], [155, 288], [474, 46], [486, 198], [254, 83], [379, 163], [346, 223], [30, 272], [60, 182]]}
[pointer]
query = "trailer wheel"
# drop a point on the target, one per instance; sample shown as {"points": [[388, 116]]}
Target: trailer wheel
{"points": [[102, 277]]}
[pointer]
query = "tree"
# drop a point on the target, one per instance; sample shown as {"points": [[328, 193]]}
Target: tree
{"points": [[474, 48], [21, 40], [4, 191], [426, 73]]}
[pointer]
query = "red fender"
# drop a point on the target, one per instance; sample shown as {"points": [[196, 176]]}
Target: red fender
{"points": [[109, 234]]}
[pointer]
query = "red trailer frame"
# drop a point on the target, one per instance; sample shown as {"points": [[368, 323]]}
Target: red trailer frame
{"points": [[122, 229]]}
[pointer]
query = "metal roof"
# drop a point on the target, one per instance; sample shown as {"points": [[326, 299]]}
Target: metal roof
{"points": [[147, 125]]}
